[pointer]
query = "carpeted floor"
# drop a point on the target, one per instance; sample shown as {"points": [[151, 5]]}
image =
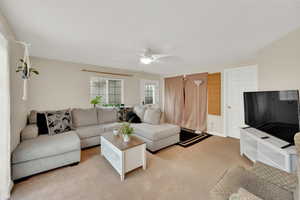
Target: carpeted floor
{"points": [[173, 173]]}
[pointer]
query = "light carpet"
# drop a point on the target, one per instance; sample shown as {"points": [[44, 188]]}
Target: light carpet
{"points": [[173, 173]]}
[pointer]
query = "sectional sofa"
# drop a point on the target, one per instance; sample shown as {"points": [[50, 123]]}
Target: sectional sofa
{"points": [[38, 153]]}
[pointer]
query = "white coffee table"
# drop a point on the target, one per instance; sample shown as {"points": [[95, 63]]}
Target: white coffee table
{"points": [[124, 157]]}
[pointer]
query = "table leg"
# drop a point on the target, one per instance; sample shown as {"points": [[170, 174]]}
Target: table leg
{"points": [[144, 158]]}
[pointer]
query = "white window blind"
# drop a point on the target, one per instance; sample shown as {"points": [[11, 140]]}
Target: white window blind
{"points": [[150, 91], [109, 89]]}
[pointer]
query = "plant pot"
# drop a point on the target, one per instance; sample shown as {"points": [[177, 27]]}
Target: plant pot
{"points": [[126, 138], [116, 132]]}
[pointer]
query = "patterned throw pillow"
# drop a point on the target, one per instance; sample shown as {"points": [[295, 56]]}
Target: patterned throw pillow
{"points": [[59, 121]]}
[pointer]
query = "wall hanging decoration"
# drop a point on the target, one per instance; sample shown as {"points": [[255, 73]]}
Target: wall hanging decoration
{"points": [[24, 67]]}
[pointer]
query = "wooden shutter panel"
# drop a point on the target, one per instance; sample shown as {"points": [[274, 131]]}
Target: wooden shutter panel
{"points": [[214, 93]]}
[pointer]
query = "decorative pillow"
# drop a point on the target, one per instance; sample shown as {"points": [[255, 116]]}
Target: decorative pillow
{"points": [[41, 123], [29, 132], [32, 117], [133, 118], [152, 116], [140, 111], [59, 121]]}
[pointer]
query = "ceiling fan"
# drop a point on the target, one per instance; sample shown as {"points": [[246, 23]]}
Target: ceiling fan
{"points": [[148, 57]]}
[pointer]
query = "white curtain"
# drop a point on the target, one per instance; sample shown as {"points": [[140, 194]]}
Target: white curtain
{"points": [[5, 177]]}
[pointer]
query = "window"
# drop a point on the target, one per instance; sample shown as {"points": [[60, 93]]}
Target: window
{"points": [[150, 92], [111, 90]]}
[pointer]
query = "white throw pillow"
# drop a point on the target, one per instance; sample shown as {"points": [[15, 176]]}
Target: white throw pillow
{"points": [[29, 132], [139, 111], [152, 116]]}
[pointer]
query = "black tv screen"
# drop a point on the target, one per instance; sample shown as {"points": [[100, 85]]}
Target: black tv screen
{"points": [[274, 112]]}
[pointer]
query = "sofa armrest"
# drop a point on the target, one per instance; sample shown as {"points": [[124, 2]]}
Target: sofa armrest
{"points": [[288, 181], [29, 132], [229, 183]]}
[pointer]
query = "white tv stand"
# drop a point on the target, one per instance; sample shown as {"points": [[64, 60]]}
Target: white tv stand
{"points": [[267, 150]]}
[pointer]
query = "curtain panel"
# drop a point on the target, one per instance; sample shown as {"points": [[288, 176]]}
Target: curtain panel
{"points": [[174, 101], [195, 102]]}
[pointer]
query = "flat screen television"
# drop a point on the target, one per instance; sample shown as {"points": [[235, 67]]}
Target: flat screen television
{"points": [[274, 112]]}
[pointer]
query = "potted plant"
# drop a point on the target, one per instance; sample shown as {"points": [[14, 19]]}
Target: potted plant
{"points": [[96, 101], [25, 73], [126, 130]]}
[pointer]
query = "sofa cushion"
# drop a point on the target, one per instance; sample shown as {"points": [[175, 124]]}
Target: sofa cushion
{"points": [[45, 146], [29, 132], [107, 115], [90, 131], [59, 121], [155, 132], [111, 126], [152, 116], [84, 117]]}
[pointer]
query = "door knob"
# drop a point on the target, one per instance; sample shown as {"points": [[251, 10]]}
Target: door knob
{"points": [[229, 107]]}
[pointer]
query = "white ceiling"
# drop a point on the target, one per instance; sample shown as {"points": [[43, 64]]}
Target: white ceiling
{"points": [[112, 33]]}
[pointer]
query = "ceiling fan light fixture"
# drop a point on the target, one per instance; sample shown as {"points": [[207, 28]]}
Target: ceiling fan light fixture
{"points": [[146, 60]]}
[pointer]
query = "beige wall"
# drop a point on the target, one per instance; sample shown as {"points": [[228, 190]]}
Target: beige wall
{"points": [[18, 106], [279, 64], [62, 84]]}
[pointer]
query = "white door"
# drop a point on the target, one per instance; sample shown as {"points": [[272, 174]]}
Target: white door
{"points": [[237, 81]]}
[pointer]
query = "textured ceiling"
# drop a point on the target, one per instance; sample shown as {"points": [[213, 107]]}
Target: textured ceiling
{"points": [[112, 33]]}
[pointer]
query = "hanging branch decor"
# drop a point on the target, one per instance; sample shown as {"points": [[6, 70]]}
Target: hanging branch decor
{"points": [[24, 67]]}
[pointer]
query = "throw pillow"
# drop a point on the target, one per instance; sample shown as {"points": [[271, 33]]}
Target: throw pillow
{"points": [[29, 132], [140, 111], [41, 123], [132, 117], [152, 116], [59, 121], [32, 117]]}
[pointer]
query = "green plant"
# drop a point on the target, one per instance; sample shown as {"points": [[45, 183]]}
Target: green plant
{"points": [[96, 101], [23, 68], [126, 129]]}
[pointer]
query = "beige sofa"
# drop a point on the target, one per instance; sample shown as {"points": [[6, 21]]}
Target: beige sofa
{"points": [[39, 153]]}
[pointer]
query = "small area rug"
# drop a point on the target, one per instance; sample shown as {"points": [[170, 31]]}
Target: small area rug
{"points": [[188, 138]]}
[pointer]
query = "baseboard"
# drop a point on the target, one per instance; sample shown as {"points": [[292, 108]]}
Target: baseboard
{"points": [[216, 133]]}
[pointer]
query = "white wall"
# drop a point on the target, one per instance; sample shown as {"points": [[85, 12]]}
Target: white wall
{"points": [[279, 64], [18, 110], [18, 106], [62, 84]]}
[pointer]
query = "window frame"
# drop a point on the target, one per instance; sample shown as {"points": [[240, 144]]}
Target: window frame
{"points": [[107, 79], [156, 99]]}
